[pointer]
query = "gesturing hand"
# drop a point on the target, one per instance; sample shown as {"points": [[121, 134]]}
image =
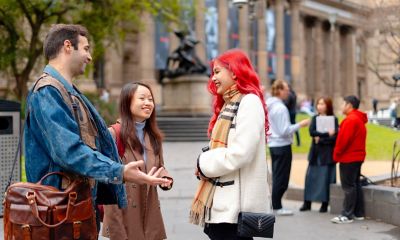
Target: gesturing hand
{"points": [[132, 173]]}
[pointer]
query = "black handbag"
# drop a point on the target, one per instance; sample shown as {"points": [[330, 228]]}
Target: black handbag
{"points": [[256, 225]]}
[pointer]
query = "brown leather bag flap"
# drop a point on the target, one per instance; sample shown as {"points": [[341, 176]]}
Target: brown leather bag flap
{"points": [[22, 214], [78, 212]]}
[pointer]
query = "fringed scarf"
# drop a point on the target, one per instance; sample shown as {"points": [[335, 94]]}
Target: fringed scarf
{"points": [[203, 199]]}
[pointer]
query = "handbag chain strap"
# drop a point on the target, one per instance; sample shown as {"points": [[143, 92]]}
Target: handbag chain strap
{"points": [[75, 112]]}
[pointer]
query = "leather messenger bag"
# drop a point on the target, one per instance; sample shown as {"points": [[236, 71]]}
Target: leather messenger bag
{"points": [[36, 211]]}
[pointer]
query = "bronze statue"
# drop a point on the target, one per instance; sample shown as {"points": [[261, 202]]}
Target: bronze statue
{"points": [[183, 60]]}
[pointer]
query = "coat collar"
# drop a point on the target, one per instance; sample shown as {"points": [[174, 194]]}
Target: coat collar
{"points": [[135, 155]]}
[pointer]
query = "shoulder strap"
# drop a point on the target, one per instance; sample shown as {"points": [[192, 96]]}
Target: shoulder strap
{"points": [[47, 80], [121, 147]]}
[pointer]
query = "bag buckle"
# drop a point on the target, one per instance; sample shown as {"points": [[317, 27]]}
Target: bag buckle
{"points": [[31, 197], [26, 227]]}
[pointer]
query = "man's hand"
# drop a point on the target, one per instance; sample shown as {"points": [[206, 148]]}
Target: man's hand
{"points": [[305, 122], [132, 173]]}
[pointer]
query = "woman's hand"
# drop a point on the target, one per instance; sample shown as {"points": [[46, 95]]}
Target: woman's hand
{"points": [[199, 176]]}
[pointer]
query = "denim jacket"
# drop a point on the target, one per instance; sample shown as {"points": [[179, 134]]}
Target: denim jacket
{"points": [[53, 142]]}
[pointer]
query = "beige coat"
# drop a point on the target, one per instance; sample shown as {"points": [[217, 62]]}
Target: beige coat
{"points": [[245, 153], [142, 219]]}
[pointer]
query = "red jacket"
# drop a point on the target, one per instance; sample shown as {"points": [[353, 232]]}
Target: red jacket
{"points": [[350, 142]]}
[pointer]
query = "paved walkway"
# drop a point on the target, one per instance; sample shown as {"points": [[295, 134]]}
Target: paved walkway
{"points": [[180, 160]]}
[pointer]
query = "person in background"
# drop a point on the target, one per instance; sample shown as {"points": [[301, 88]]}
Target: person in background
{"points": [[104, 95], [291, 104], [321, 171], [138, 137], [375, 106], [397, 113], [350, 153], [233, 171], [280, 143]]}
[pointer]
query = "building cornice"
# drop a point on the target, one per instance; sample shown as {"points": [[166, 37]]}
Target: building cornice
{"points": [[345, 13]]}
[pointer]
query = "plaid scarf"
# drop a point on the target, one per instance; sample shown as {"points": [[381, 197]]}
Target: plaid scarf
{"points": [[203, 199]]}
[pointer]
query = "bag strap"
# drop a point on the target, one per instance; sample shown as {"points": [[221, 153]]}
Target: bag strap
{"points": [[120, 145], [75, 112], [31, 196]]}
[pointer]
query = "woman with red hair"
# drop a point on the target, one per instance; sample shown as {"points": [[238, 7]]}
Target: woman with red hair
{"points": [[233, 172]]}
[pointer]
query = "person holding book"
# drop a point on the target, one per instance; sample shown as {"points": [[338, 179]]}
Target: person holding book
{"points": [[321, 171]]}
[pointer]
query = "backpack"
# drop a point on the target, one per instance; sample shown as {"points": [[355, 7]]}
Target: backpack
{"points": [[120, 145]]}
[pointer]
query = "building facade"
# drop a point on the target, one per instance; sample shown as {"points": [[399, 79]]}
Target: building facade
{"points": [[321, 47]]}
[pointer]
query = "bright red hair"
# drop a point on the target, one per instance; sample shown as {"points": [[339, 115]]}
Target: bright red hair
{"points": [[247, 81]]}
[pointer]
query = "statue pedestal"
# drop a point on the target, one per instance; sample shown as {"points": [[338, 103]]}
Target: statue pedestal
{"points": [[186, 95]]}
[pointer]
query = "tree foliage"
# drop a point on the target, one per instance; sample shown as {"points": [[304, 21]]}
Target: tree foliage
{"points": [[24, 23]]}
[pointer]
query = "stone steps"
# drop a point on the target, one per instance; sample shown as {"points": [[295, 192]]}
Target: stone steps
{"points": [[184, 128]]}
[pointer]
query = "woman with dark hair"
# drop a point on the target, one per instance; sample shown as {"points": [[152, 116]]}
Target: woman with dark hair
{"points": [[321, 171], [233, 172], [138, 138]]}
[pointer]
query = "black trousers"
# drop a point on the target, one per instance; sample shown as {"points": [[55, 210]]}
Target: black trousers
{"points": [[223, 231], [353, 203], [281, 164]]}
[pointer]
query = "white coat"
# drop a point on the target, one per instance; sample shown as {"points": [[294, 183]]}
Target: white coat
{"points": [[246, 151]]}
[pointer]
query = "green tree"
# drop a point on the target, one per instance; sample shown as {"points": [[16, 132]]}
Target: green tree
{"points": [[23, 25]]}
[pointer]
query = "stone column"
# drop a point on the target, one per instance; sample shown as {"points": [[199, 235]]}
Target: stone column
{"points": [[352, 65], [301, 84], [327, 63], [200, 9], [309, 56], [262, 56], [280, 39], [113, 68], [336, 73], [244, 28], [146, 57], [297, 83], [223, 13], [318, 56]]}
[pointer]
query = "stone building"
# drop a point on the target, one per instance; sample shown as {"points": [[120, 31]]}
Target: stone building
{"points": [[319, 46]]}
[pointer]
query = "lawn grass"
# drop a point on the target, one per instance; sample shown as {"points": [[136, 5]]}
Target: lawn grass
{"points": [[380, 140], [23, 174]]}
